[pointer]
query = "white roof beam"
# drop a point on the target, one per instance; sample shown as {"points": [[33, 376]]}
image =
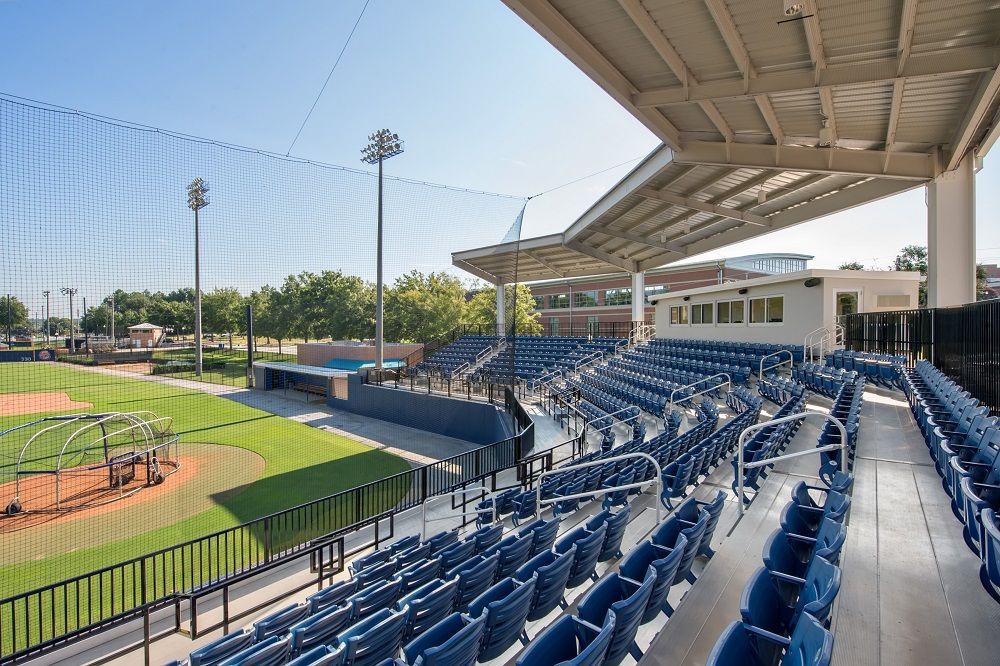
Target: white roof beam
{"points": [[731, 36], [551, 24], [908, 166], [712, 111], [770, 117], [968, 60], [658, 40], [905, 41], [967, 132], [469, 268], [890, 132], [814, 38], [606, 257], [538, 260], [688, 202], [638, 238]]}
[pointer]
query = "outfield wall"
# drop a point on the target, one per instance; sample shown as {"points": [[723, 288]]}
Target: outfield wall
{"points": [[476, 422]]}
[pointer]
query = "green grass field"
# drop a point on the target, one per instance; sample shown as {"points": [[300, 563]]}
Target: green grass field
{"points": [[301, 463]]}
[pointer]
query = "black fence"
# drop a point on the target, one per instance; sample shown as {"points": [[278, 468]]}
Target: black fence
{"points": [[963, 341], [48, 617], [600, 329]]}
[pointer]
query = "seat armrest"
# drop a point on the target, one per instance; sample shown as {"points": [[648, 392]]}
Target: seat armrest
{"points": [[763, 633]]}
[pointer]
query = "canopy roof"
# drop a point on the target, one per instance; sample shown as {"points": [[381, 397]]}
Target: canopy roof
{"points": [[764, 124]]}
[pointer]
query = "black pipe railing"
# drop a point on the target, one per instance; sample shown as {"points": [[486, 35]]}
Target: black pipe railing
{"points": [[962, 341], [56, 614]]}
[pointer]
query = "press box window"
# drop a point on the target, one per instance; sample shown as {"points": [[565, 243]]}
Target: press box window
{"points": [[701, 313], [678, 315], [770, 310], [731, 312]]}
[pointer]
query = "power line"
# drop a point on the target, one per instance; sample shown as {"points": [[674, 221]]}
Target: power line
{"points": [[328, 76]]}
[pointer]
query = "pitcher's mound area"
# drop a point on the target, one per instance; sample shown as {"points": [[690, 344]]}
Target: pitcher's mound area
{"points": [[16, 404]]}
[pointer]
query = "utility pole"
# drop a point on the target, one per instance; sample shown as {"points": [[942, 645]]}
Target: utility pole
{"points": [[196, 201], [48, 329], [9, 320], [71, 291], [384, 144]]}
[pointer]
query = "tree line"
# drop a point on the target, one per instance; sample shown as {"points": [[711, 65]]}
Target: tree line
{"points": [[417, 307]]}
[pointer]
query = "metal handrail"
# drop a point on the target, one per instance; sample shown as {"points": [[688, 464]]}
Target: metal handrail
{"points": [[487, 493], [741, 466], [587, 359], [547, 377], [791, 361], [728, 382], [657, 480], [808, 343], [612, 414]]}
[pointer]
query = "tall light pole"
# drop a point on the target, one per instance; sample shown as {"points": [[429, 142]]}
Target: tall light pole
{"points": [[114, 340], [196, 201], [70, 291], [48, 329], [383, 145]]}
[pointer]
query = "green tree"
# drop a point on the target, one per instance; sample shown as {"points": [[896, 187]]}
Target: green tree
{"points": [[273, 314], [339, 306], [13, 315], [421, 308], [914, 258], [851, 266], [982, 291], [222, 312], [482, 309], [97, 321]]}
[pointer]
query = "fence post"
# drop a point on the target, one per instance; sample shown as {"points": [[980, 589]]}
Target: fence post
{"points": [[267, 539]]}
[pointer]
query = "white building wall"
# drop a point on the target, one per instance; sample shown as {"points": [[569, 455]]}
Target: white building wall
{"points": [[805, 308]]}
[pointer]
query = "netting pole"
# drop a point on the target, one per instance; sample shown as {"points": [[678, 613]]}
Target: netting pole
{"points": [[250, 346]]}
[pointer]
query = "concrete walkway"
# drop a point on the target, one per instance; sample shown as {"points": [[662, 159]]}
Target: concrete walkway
{"points": [[415, 446]]}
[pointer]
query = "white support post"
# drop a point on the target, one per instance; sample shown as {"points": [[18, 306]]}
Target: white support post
{"points": [[951, 236], [501, 309], [639, 297]]}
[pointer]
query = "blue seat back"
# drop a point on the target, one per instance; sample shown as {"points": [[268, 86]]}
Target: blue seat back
{"points": [[319, 629], [454, 555], [368, 601], [454, 641], [487, 536], [334, 595], [418, 573], [569, 642], [694, 534], [616, 524], [442, 540], [278, 622], [505, 607], [272, 651], [544, 531], [588, 549], [323, 655], [624, 599], [221, 649], [427, 605], [664, 562], [474, 576], [551, 572], [374, 639], [376, 573], [514, 551], [811, 644]]}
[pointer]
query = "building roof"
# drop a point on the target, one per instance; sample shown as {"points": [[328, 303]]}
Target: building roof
{"points": [[145, 326], [790, 277], [764, 124]]}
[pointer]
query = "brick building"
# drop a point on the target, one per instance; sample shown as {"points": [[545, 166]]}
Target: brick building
{"points": [[603, 305]]}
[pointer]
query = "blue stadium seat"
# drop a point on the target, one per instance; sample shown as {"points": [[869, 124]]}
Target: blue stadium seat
{"points": [[616, 524], [668, 531], [505, 607], [514, 551], [627, 602], [809, 645], [374, 639], [442, 540], [791, 554], [427, 605], [796, 519], [418, 573], [544, 531], [989, 572], [486, 537], [405, 543], [690, 512], [278, 622], [272, 651], [454, 641], [664, 561], [334, 595], [418, 553], [323, 655], [454, 555], [375, 573], [221, 649], [373, 599], [371, 559], [474, 576], [588, 548], [320, 629], [569, 642], [551, 572]]}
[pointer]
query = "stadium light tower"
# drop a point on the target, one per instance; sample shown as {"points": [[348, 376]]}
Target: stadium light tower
{"points": [[383, 145], [196, 201], [48, 330], [70, 291]]}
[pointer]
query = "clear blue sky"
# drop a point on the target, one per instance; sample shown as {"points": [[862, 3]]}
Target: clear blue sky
{"points": [[482, 101]]}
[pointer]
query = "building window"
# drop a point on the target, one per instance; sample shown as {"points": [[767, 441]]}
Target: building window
{"points": [[584, 299], [731, 312], [539, 302], [769, 310], [656, 289], [678, 315], [553, 325], [701, 313], [557, 301], [618, 296]]}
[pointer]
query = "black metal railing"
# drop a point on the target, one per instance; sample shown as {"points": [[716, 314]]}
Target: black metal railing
{"points": [[61, 612], [582, 329], [962, 341]]}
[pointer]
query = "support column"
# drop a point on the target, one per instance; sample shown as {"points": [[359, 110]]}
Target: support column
{"points": [[501, 311], [951, 236], [639, 297]]}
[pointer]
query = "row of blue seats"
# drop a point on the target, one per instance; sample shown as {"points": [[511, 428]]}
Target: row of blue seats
{"points": [[463, 351], [883, 369], [649, 401], [739, 374], [786, 604], [822, 379], [766, 443], [653, 371], [748, 348], [780, 390], [964, 442], [752, 361], [622, 410]]}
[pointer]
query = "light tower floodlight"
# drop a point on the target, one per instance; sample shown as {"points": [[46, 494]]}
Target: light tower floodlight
{"points": [[383, 145], [197, 200]]}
